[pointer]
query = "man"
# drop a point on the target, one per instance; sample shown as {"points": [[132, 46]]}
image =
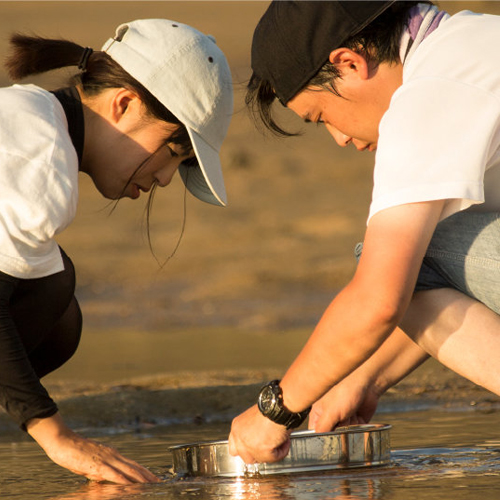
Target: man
{"points": [[422, 89]]}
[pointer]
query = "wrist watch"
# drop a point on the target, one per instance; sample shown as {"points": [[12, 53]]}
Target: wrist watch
{"points": [[271, 405]]}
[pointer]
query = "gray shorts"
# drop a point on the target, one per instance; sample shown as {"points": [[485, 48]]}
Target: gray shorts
{"points": [[464, 254]]}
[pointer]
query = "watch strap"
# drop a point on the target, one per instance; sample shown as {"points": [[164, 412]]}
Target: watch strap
{"points": [[279, 413]]}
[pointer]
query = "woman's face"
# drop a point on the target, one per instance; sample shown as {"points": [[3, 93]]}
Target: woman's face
{"points": [[127, 151], [136, 161]]}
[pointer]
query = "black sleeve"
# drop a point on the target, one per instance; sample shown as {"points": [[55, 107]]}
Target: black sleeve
{"points": [[21, 393]]}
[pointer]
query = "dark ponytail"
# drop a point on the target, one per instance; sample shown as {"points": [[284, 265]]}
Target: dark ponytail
{"points": [[32, 55]]}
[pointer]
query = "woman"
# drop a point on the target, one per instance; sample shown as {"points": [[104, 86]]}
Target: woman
{"points": [[156, 99]]}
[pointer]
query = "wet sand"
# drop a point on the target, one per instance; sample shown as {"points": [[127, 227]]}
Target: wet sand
{"points": [[170, 380], [97, 395], [235, 304]]}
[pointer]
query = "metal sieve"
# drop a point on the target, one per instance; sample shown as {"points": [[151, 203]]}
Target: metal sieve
{"points": [[346, 447]]}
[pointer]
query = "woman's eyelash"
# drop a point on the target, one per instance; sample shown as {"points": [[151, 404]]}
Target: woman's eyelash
{"points": [[172, 152]]}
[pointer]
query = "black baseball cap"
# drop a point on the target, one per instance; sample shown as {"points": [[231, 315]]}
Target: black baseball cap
{"points": [[294, 39]]}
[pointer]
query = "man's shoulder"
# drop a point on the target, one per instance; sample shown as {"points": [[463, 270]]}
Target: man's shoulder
{"points": [[464, 50]]}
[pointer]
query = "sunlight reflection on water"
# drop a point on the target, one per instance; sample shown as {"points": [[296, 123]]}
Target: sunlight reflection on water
{"points": [[436, 454]]}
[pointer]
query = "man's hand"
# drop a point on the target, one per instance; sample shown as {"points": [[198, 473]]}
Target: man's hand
{"points": [[84, 456], [256, 439], [345, 404]]}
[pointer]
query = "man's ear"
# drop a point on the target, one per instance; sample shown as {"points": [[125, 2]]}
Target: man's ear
{"points": [[349, 62]]}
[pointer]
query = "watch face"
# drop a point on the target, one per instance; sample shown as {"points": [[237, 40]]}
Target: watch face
{"points": [[267, 399]]}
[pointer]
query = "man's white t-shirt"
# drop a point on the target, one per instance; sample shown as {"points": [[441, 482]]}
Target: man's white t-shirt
{"points": [[440, 137], [38, 181]]}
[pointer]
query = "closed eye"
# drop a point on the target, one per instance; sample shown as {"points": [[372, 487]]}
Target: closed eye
{"points": [[191, 162], [173, 154], [308, 118], [319, 121]]}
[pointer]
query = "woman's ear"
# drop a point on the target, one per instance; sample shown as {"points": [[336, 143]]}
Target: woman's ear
{"points": [[122, 102], [348, 61]]}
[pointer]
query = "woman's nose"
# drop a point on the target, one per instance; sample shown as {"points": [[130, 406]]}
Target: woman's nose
{"points": [[164, 175], [340, 138]]}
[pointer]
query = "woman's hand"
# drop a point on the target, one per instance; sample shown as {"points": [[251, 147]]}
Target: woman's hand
{"points": [[256, 439], [84, 456], [347, 403]]}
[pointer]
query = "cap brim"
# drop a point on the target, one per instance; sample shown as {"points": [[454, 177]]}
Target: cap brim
{"points": [[204, 181]]}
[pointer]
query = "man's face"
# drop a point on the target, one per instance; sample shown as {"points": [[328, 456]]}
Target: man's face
{"points": [[348, 119], [354, 116]]}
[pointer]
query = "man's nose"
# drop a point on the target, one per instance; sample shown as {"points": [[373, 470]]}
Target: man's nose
{"points": [[340, 138]]}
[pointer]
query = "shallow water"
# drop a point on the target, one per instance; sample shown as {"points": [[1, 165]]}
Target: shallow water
{"points": [[437, 454]]}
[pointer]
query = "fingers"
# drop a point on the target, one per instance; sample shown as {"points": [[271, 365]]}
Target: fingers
{"points": [[323, 420], [237, 448], [84, 456], [233, 449], [257, 439], [329, 421], [99, 462], [136, 472], [282, 451], [126, 474], [314, 416], [325, 424], [112, 466], [107, 473]]}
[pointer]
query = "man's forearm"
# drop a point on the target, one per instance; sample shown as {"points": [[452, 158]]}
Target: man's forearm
{"points": [[395, 359], [355, 398], [338, 346]]}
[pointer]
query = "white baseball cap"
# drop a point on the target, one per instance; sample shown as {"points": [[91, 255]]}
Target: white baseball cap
{"points": [[186, 71]]}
